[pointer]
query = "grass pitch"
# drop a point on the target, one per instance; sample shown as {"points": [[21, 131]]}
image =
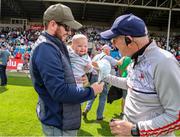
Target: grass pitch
{"points": [[18, 117]]}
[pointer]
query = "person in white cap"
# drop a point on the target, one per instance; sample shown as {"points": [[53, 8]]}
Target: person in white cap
{"points": [[59, 98], [104, 55], [152, 105]]}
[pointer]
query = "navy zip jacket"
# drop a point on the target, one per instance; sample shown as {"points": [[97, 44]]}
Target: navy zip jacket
{"points": [[54, 82]]}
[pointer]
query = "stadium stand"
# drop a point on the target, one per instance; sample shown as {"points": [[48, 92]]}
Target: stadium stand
{"points": [[20, 22]]}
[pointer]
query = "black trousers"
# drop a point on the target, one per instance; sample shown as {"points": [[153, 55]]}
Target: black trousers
{"points": [[3, 75]]}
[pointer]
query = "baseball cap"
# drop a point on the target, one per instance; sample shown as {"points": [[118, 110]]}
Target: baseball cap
{"points": [[127, 25], [62, 14]]}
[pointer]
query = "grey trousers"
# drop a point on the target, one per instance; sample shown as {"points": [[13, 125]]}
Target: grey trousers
{"points": [[53, 131]]}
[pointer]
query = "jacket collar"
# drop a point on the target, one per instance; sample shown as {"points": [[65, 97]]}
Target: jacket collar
{"points": [[52, 38], [139, 53], [58, 42]]}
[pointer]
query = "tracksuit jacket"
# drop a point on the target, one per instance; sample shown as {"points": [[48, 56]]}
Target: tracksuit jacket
{"points": [[153, 98]]}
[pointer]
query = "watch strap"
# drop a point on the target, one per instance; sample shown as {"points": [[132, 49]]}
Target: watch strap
{"points": [[135, 130]]}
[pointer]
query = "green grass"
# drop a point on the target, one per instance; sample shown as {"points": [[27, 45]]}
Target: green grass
{"points": [[91, 127], [17, 109], [18, 116]]}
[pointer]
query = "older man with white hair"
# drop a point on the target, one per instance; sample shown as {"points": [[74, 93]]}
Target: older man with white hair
{"points": [[152, 105]]}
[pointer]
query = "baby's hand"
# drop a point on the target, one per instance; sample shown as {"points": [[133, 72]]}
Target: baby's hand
{"points": [[87, 67], [84, 79]]}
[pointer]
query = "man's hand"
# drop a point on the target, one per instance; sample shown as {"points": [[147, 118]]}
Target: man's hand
{"points": [[120, 62], [84, 80], [120, 128], [95, 65], [97, 87]]}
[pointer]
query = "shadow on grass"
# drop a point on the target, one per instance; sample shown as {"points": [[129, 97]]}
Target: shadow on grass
{"points": [[84, 133], [116, 116], [19, 81], [104, 130], [89, 121], [3, 89]]}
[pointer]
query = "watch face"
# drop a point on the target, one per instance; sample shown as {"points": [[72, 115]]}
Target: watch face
{"points": [[134, 131]]}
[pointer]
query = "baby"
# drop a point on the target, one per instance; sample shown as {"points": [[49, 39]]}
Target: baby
{"points": [[80, 60]]}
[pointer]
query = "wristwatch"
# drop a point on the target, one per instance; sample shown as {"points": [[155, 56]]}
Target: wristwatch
{"points": [[135, 130]]}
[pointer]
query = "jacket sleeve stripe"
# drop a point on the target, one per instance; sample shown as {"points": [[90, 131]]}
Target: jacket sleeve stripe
{"points": [[162, 130], [157, 133]]}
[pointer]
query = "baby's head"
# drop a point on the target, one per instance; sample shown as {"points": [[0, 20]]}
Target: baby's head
{"points": [[80, 44]]}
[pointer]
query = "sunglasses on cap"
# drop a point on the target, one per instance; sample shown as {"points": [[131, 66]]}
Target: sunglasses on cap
{"points": [[67, 28]]}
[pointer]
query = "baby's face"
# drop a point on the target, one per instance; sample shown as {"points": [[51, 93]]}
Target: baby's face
{"points": [[80, 46]]}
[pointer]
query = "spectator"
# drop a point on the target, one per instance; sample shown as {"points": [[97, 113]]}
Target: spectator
{"points": [[26, 58], [58, 106], [4, 57], [105, 54], [152, 105], [18, 55], [123, 73]]}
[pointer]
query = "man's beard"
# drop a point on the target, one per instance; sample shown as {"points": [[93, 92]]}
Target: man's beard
{"points": [[61, 37], [57, 35]]}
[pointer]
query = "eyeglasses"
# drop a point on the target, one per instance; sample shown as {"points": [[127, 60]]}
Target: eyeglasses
{"points": [[67, 28], [113, 40]]}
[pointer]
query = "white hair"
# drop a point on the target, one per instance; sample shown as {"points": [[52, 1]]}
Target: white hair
{"points": [[78, 36], [106, 47]]}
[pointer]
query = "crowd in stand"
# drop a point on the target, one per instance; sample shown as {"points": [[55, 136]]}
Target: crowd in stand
{"points": [[174, 43], [19, 43]]}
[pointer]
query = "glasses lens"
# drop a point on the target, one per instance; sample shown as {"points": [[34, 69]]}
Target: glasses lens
{"points": [[67, 28]]}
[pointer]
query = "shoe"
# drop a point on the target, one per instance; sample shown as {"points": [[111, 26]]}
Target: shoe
{"points": [[121, 115], [85, 113], [100, 119]]}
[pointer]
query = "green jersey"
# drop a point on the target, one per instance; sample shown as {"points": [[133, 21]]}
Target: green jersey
{"points": [[126, 62]]}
